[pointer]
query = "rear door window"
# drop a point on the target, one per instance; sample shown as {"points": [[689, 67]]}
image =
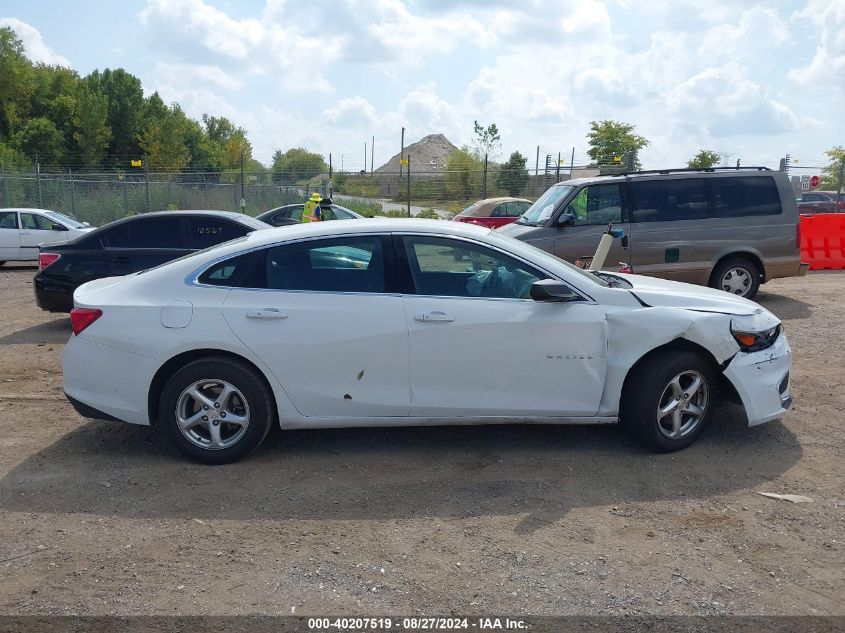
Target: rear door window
{"points": [[8, 220], [152, 233], [207, 232], [669, 200], [739, 197], [347, 264]]}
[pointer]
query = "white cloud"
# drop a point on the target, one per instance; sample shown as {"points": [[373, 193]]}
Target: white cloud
{"points": [[828, 63], [688, 73], [36, 48]]}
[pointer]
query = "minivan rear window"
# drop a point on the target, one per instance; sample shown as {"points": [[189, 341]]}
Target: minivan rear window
{"points": [[738, 197], [669, 200]]}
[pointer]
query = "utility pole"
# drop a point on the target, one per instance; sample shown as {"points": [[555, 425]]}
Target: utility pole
{"points": [[330, 165], [243, 191], [372, 154], [484, 180], [146, 182], [571, 163], [38, 179], [365, 157], [557, 169], [409, 185], [402, 157]]}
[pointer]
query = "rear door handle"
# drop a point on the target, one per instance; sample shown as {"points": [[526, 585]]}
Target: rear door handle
{"points": [[266, 313], [433, 316], [120, 260]]}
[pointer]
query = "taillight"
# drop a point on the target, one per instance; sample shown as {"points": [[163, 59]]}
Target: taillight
{"points": [[45, 259], [81, 318], [840, 205]]}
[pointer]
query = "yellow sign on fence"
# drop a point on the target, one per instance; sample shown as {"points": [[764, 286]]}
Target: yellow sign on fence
{"points": [[403, 161], [136, 163]]}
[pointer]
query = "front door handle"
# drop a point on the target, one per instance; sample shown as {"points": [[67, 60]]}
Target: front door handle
{"points": [[433, 316], [266, 313], [120, 260]]}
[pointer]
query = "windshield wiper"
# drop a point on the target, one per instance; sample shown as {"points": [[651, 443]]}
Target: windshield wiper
{"points": [[519, 221]]}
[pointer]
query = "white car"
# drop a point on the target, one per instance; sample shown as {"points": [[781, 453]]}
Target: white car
{"points": [[410, 322], [22, 230]]}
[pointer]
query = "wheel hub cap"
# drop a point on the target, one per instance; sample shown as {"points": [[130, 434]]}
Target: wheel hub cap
{"points": [[737, 281], [212, 414], [682, 405]]}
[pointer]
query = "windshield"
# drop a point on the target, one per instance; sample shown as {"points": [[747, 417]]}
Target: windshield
{"points": [[539, 212], [67, 221], [542, 257]]}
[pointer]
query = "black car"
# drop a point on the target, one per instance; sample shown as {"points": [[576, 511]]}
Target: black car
{"points": [[128, 246], [292, 214]]}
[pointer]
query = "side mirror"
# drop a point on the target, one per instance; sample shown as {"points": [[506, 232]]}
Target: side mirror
{"points": [[58, 227], [553, 290], [566, 219]]}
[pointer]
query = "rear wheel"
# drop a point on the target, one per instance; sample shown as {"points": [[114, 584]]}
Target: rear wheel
{"points": [[216, 410], [737, 275], [668, 399]]}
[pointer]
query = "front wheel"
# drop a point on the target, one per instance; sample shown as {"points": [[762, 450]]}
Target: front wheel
{"points": [[668, 399], [216, 410]]}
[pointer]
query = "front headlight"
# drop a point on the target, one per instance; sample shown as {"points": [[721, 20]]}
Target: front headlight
{"points": [[755, 341]]}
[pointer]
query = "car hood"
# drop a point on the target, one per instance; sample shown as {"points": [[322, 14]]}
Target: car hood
{"points": [[674, 294], [522, 232]]}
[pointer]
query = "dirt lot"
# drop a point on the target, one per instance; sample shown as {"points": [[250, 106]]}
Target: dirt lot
{"points": [[105, 518]]}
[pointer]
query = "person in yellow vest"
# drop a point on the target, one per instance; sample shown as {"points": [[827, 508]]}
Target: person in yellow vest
{"points": [[312, 211]]}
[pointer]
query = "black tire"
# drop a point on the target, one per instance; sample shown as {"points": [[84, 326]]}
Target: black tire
{"points": [[645, 391], [726, 266], [251, 386], [1, 263]]}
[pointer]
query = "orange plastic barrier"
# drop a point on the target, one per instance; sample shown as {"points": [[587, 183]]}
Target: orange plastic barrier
{"points": [[823, 241]]}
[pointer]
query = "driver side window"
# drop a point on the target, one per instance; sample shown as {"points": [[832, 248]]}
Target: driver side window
{"points": [[453, 268], [596, 204]]}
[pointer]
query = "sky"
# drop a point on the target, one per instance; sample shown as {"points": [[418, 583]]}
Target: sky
{"points": [[753, 81]]}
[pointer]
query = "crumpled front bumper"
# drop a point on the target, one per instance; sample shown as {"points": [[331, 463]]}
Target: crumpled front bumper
{"points": [[762, 381]]}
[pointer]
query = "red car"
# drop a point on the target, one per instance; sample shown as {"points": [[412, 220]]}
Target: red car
{"points": [[494, 212]]}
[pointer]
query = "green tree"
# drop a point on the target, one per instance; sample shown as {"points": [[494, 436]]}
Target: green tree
{"points": [[236, 149], [832, 175], [126, 110], [220, 129], [513, 176], [92, 133], [297, 164], [704, 159], [39, 138], [611, 140], [463, 174], [163, 140], [487, 141], [206, 155], [17, 83]]}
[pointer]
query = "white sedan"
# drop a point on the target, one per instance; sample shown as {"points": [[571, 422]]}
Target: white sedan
{"points": [[22, 230], [410, 322]]}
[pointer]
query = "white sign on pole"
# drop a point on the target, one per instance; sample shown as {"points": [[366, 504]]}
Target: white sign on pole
{"points": [[805, 183]]}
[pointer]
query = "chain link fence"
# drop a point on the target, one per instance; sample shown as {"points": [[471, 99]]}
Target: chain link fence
{"points": [[102, 197]]}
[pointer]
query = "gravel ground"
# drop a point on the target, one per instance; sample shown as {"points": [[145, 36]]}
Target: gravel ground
{"points": [[105, 518]]}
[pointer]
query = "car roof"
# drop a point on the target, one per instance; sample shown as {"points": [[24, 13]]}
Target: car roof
{"points": [[364, 226], [661, 174], [29, 210]]}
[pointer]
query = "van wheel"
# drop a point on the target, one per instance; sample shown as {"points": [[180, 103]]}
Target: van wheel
{"points": [[737, 275], [216, 410], [667, 400]]}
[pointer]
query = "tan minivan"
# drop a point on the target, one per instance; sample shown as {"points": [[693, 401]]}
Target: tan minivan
{"points": [[731, 229]]}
